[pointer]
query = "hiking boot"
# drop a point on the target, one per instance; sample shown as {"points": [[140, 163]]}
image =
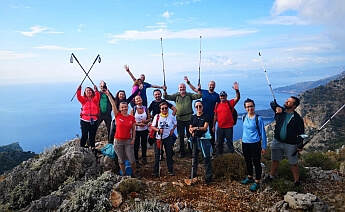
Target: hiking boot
{"points": [[194, 175], [181, 155], [144, 160], [297, 183], [208, 181], [171, 173], [137, 164], [267, 180], [247, 180], [155, 174], [254, 187], [135, 175]]}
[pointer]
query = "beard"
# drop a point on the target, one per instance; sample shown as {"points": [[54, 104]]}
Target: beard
{"points": [[288, 107]]}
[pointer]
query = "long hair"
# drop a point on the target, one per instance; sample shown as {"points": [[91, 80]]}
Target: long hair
{"points": [[137, 82], [93, 92], [117, 99]]}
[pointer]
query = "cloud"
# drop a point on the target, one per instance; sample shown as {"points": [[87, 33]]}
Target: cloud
{"points": [[39, 29], [58, 48], [185, 2], [183, 34], [9, 55], [167, 14], [279, 20]]}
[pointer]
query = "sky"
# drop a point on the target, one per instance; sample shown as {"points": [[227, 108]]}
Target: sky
{"points": [[38, 37]]}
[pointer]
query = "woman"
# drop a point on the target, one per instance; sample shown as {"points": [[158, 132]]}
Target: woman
{"points": [[142, 118], [254, 144], [135, 88], [124, 136], [201, 140], [120, 97], [89, 115], [164, 124]]}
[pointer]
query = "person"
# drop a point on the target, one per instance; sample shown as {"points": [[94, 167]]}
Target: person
{"points": [[105, 108], [124, 135], [154, 106], [88, 115], [120, 97], [200, 141], [209, 99], [135, 88], [223, 115], [142, 118], [254, 144], [289, 126], [164, 124], [183, 102], [145, 85]]}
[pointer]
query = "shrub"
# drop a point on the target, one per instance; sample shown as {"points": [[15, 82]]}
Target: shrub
{"points": [[129, 185], [284, 171], [317, 159], [282, 186], [229, 166]]}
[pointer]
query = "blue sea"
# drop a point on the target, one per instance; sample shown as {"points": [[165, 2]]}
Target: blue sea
{"points": [[39, 116]]}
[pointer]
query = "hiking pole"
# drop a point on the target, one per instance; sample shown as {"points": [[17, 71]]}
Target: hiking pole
{"points": [[303, 144], [160, 154], [193, 157], [269, 84], [199, 62], [163, 62], [86, 73]]}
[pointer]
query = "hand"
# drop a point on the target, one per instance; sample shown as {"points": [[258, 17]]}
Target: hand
{"points": [[133, 141], [213, 129], [126, 67], [279, 110], [199, 86], [141, 86], [95, 87], [263, 151], [235, 86], [164, 87], [186, 78], [171, 132], [79, 87]]}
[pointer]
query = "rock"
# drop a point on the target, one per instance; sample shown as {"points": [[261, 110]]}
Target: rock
{"points": [[116, 198]]}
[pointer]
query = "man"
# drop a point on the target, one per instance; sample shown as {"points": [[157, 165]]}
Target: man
{"points": [[183, 102], [209, 100], [289, 126], [145, 85], [105, 107], [223, 115], [154, 106]]}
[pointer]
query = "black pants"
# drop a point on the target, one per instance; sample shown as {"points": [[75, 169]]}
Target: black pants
{"points": [[140, 139], [181, 127], [88, 131], [252, 155], [168, 146]]}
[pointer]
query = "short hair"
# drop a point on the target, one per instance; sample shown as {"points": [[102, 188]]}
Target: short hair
{"points": [[157, 90], [197, 102], [163, 103], [297, 101], [248, 101]]}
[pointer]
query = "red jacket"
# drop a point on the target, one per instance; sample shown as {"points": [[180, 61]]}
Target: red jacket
{"points": [[90, 108]]}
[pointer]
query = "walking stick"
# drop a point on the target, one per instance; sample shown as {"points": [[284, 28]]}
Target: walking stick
{"points": [[303, 144], [86, 73], [199, 62], [160, 154], [163, 62], [269, 84]]}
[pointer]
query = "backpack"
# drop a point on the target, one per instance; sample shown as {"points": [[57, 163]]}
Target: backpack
{"points": [[152, 133], [135, 109], [234, 112], [256, 121], [108, 150]]}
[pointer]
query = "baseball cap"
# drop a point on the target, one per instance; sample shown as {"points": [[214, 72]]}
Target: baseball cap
{"points": [[223, 93]]}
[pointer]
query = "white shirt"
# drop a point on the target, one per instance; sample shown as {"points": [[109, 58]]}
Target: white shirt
{"points": [[165, 123]]}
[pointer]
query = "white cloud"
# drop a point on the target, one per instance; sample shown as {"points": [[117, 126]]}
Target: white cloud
{"points": [[184, 34], [59, 48], [39, 29], [279, 20], [167, 14], [9, 55]]}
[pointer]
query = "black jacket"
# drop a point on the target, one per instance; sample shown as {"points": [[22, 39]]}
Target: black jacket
{"points": [[294, 128]]}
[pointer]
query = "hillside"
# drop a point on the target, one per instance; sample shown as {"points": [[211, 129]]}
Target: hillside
{"points": [[303, 86]]}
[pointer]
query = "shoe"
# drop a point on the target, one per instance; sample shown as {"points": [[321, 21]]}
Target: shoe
{"points": [[254, 187], [194, 175], [137, 164], [155, 174], [267, 180], [297, 183], [171, 173], [247, 180], [144, 160], [208, 181], [134, 175], [181, 155]]}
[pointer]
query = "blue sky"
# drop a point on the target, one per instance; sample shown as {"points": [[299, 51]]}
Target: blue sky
{"points": [[38, 37]]}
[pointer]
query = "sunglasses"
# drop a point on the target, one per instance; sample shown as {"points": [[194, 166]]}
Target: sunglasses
{"points": [[198, 106], [164, 108], [251, 106]]}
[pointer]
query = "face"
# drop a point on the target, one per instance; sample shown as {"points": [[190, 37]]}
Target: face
{"points": [[182, 88], [223, 98], [289, 103], [164, 109], [103, 87], [88, 92], [198, 106], [211, 86], [140, 81], [142, 77], [138, 100], [122, 95], [123, 108], [157, 95], [249, 106]]}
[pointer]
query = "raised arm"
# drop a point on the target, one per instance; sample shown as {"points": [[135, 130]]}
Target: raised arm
{"points": [[236, 88], [129, 72], [112, 102], [190, 84]]}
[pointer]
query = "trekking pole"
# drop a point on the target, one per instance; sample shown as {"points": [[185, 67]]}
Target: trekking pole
{"points": [[199, 62], [160, 155], [163, 62], [86, 73], [303, 144], [269, 84], [193, 156]]}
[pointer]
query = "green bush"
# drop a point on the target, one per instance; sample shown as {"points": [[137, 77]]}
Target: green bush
{"points": [[284, 171], [229, 166], [317, 159], [282, 186], [129, 185]]}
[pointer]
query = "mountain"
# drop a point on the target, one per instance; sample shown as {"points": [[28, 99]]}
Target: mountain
{"points": [[303, 86], [12, 155]]}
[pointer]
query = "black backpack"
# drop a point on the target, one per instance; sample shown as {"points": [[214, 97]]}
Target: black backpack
{"points": [[233, 112]]}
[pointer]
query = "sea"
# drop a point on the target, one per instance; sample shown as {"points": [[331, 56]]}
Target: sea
{"points": [[40, 116]]}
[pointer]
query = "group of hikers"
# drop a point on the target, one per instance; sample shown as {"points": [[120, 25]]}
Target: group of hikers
{"points": [[206, 130]]}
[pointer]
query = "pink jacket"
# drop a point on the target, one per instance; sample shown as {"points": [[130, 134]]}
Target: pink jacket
{"points": [[90, 108]]}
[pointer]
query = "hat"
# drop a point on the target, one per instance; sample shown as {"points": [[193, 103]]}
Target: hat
{"points": [[223, 93]]}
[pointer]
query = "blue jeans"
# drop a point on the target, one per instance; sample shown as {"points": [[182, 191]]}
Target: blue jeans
{"points": [[203, 145], [168, 146], [225, 133]]}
